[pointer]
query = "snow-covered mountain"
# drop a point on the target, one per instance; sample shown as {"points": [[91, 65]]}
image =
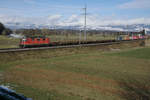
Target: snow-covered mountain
{"points": [[134, 27]]}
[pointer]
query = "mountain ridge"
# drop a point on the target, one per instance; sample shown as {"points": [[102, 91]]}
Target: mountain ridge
{"points": [[133, 27]]}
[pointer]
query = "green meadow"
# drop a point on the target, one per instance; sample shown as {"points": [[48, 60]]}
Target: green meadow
{"points": [[81, 74]]}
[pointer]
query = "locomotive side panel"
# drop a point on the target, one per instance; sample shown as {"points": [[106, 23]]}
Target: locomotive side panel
{"points": [[34, 42]]}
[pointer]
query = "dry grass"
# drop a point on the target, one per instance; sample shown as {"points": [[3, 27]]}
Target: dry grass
{"points": [[148, 42], [76, 37], [6, 42]]}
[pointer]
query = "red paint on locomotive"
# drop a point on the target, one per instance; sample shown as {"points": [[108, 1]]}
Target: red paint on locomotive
{"points": [[34, 41]]}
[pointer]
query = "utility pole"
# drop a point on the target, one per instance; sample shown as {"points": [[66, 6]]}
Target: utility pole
{"points": [[127, 29], [80, 36], [85, 13]]}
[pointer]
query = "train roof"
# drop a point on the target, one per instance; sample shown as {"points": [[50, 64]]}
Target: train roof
{"points": [[35, 37]]}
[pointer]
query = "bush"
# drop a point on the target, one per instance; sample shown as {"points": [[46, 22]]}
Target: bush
{"points": [[7, 31], [2, 28], [4, 31]]}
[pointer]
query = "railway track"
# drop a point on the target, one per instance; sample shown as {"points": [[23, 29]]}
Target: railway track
{"points": [[63, 46]]}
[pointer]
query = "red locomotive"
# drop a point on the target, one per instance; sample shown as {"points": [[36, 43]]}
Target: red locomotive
{"points": [[35, 41]]}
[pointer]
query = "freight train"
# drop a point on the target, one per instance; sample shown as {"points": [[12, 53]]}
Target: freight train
{"points": [[42, 41]]}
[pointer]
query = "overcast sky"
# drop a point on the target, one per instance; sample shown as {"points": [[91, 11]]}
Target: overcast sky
{"points": [[70, 11]]}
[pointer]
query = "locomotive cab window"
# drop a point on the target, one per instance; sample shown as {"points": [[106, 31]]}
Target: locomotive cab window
{"points": [[38, 39], [32, 39]]}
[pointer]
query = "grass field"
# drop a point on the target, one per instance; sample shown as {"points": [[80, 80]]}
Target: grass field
{"points": [[6, 42], [79, 75]]}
